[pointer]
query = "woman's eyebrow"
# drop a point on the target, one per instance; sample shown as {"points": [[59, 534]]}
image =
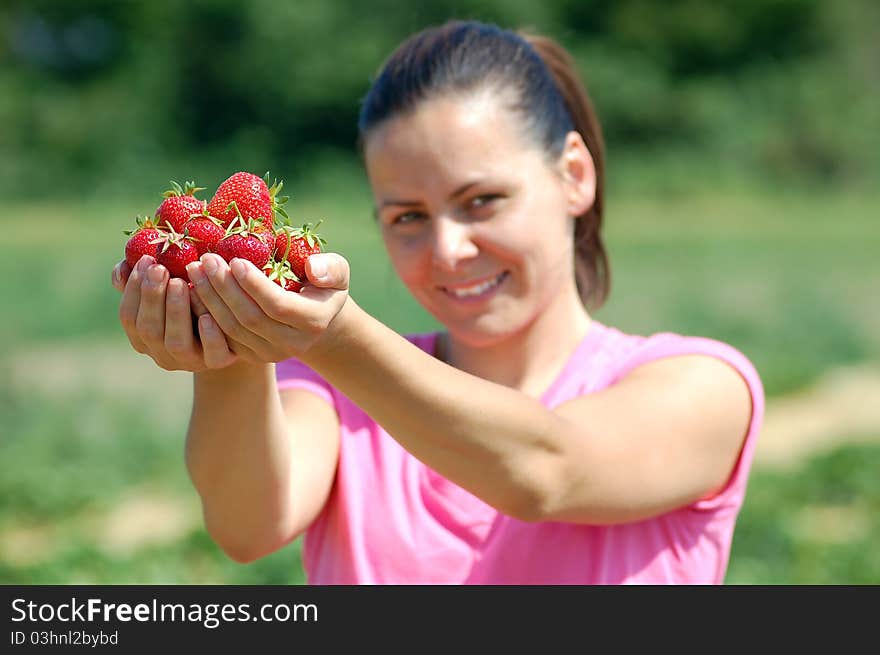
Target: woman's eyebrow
{"points": [[398, 203], [463, 189], [410, 203]]}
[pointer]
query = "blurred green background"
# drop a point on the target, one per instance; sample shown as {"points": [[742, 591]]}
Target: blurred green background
{"points": [[743, 173]]}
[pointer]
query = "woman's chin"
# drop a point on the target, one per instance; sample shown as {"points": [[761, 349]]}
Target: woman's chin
{"points": [[482, 332]]}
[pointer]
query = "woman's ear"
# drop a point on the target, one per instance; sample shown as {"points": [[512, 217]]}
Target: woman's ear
{"points": [[578, 174]]}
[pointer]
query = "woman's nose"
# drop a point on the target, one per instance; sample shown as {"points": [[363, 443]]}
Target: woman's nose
{"points": [[453, 243]]}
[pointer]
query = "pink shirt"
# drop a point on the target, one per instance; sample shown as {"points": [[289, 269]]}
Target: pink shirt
{"points": [[392, 520]]}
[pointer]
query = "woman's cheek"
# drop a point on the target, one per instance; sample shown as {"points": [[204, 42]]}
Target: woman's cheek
{"points": [[405, 260]]}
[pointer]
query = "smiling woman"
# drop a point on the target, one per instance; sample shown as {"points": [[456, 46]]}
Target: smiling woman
{"points": [[526, 442], [477, 225]]}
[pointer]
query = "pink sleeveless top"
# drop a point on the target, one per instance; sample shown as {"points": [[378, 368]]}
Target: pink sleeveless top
{"points": [[392, 520]]}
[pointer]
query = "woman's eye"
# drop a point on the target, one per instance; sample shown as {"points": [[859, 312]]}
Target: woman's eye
{"points": [[482, 201], [406, 218]]}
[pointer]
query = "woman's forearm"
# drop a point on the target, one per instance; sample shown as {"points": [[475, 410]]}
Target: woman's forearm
{"points": [[238, 457], [489, 439]]}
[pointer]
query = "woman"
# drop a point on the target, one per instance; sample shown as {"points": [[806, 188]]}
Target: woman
{"points": [[527, 442]]}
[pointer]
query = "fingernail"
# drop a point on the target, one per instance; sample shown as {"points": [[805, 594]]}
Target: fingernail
{"points": [[156, 274], [196, 275], [115, 276], [319, 268], [144, 263], [175, 290], [209, 265], [239, 269], [206, 323]]}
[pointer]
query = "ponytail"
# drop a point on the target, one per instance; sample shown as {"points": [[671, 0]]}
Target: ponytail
{"points": [[592, 271]]}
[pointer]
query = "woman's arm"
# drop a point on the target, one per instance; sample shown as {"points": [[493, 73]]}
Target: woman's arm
{"points": [[667, 435], [263, 463]]}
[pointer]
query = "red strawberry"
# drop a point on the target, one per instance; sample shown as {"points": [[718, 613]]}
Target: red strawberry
{"points": [[296, 244], [205, 232], [179, 205], [141, 241], [175, 252], [247, 241], [253, 196], [280, 274]]}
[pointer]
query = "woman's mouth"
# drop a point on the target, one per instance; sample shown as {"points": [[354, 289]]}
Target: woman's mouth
{"points": [[476, 290]]}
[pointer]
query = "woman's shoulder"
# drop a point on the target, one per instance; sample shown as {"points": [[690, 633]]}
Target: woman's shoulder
{"points": [[624, 352], [611, 352]]}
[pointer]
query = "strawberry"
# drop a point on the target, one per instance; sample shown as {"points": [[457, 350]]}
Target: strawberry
{"points": [[141, 241], [246, 240], [253, 196], [296, 244], [179, 205], [175, 252], [280, 274], [205, 231]]}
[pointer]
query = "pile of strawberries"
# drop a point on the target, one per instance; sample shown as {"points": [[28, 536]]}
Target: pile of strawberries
{"points": [[245, 219]]}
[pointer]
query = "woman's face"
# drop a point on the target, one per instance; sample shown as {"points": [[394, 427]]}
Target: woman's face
{"points": [[476, 222]]}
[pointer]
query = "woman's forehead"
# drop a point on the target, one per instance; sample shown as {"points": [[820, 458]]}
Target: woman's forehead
{"points": [[460, 134]]}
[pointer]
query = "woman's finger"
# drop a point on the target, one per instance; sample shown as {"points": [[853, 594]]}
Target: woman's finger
{"points": [[179, 340], [202, 273], [328, 270], [116, 277], [130, 303], [198, 307], [215, 349], [150, 321], [269, 298], [309, 310], [120, 274]]}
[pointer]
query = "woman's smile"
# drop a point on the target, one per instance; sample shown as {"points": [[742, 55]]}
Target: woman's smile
{"points": [[476, 290]]}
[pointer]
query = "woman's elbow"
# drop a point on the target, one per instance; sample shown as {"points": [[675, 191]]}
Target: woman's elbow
{"points": [[244, 546]]}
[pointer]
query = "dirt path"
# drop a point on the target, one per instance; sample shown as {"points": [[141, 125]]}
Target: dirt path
{"points": [[842, 407], [141, 519]]}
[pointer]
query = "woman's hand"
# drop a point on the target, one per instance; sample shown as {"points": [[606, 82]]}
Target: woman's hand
{"points": [[156, 314], [122, 271], [271, 323]]}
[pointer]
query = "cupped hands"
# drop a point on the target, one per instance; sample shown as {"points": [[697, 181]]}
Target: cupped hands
{"points": [[241, 314]]}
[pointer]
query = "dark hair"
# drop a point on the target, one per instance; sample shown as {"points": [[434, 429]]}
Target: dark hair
{"points": [[540, 77]]}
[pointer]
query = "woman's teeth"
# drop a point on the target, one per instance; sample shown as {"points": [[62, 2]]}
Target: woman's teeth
{"points": [[477, 289]]}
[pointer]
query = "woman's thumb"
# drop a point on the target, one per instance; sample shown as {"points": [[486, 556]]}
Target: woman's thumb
{"points": [[328, 270]]}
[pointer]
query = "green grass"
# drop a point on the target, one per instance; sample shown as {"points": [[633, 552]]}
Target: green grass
{"points": [[192, 560], [789, 278], [819, 524], [69, 459]]}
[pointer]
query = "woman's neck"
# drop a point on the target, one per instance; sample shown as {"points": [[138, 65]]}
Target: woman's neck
{"points": [[528, 360]]}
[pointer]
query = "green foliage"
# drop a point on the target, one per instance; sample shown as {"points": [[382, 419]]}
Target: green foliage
{"points": [[83, 453], [93, 88], [691, 38]]}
